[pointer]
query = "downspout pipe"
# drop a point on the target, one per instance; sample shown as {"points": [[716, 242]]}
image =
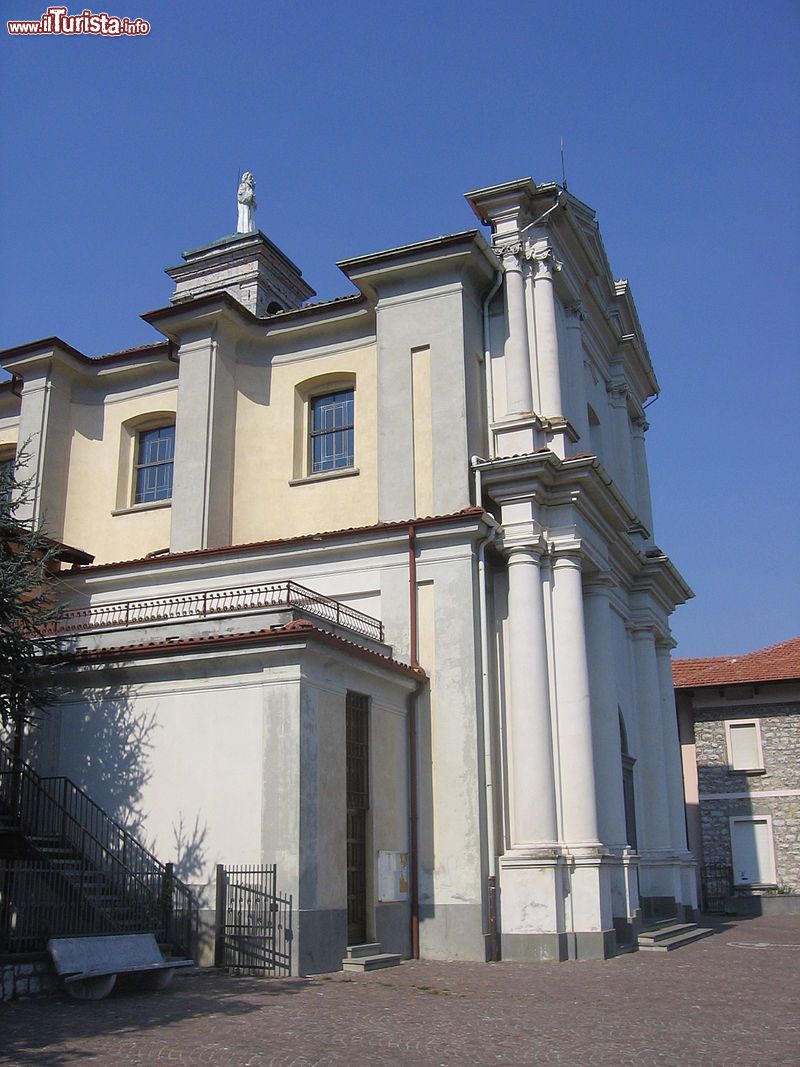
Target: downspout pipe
{"points": [[561, 201], [486, 702], [413, 612]]}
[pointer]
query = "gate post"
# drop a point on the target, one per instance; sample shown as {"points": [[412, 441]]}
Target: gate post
{"points": [[219, 922]]}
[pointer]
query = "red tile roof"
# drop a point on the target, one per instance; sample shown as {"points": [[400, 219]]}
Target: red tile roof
{"points": [[298, 629], [280, 542], [775, 663]]}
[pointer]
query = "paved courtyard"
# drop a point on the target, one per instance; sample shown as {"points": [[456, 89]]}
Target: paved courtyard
{"points": [[731, 999]]}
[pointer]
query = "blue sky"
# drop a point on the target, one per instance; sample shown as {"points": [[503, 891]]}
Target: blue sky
{"points": [[364, 123]]}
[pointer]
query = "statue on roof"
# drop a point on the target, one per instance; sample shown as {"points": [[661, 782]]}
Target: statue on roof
{"points": [[246, 197]]}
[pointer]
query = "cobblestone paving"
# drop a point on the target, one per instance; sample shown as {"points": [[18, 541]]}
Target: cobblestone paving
{"points": [[731, 999]]}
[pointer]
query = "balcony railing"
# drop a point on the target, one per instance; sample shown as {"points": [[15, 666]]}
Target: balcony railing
{"points": [[208, 603]]}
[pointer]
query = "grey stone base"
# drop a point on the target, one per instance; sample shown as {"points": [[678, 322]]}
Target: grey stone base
{"points": [[763, 904], [627, 929], [656, 908], [393, 928], [29, 975], [581, 945], [319, 941], [451, 931]]}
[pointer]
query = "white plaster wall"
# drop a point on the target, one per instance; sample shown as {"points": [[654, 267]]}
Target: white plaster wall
{"points": [[179, 754]]}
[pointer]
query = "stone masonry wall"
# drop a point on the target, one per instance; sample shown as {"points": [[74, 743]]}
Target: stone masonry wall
{"points": [[27, 976], [780, 740]]}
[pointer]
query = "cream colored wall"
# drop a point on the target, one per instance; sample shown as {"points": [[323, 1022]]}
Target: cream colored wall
{"points": [[96, 435], [9, 428], [265, 504]]}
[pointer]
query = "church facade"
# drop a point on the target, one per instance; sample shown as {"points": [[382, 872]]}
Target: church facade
{"points": [[375, 592]]}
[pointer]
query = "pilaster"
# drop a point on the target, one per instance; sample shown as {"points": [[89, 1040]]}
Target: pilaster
{"points": [[644, 506], [44, 442], [573, 315], [202, 492], [605, 715], [548, 367], [618, 402]]}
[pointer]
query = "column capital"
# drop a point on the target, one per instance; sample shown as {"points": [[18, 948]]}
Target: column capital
{"points": [[574, 315], [531, 550], [599, 584], [640, 426], [665, 644], [543, 259], [567, 555], [510, 255], [618, 393]]}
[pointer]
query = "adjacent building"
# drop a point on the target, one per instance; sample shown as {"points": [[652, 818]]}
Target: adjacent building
{"points": [[740, 734], [376, 594]]}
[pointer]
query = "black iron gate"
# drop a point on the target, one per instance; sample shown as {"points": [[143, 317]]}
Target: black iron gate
{"points": [[717, 879], [254, 922], [357, 748]]}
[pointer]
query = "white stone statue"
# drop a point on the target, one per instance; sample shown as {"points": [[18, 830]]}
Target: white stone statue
{"points": [[246, 196]]}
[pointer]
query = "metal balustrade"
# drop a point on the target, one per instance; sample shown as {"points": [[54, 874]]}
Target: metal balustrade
{"points": [[88, 875], [208, 603]]}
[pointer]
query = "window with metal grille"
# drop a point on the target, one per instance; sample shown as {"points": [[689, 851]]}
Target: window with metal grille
{"points": [[331, 431], [154, 459]]}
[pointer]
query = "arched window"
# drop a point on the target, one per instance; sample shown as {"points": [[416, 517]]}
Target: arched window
{"points": [[147, 456], [155, 454], [325, 426]]}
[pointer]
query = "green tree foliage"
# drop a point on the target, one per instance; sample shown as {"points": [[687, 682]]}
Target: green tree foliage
{"points": [[30, 651]]}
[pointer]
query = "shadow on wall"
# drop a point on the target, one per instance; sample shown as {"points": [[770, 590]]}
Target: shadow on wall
{"points": [[106, 747]]}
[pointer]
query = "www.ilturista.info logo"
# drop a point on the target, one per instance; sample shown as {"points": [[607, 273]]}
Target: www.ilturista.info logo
{"points": [[57, 20]]}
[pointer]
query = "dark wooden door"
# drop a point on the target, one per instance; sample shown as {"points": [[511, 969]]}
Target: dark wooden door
{"points": [[357, 747]]}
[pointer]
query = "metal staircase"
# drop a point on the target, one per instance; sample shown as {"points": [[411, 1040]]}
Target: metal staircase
{"points": [[68, 868]]}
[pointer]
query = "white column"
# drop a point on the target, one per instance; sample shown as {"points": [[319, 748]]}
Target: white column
{"points": [[519, 396], [579, 415], [530, 743], [652, 778], [574, 713], [623, 469], [549, 371], [605, 714], [644, 504], [672, 748]]}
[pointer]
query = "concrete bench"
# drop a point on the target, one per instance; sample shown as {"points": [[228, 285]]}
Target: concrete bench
{"points": [[90, 965]]}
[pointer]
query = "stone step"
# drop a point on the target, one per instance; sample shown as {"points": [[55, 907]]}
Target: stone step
{"points": [[665, 930], [678, 941], [371, 963], [368, 948]]}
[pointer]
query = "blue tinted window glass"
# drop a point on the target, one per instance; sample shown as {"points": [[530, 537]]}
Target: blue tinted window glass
{"points": [[154, 462], [332, 437]]}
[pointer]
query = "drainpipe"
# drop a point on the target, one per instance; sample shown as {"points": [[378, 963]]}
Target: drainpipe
{"points": [[413, 610], [488, 771], [487, 361]]}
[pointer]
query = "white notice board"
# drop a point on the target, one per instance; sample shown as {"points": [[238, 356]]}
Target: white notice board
{"points": [[392, 876]]}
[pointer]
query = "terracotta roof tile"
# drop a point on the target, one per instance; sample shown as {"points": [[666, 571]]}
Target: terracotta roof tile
{"points": [[378, 527], [774, 663], [298, 628]]}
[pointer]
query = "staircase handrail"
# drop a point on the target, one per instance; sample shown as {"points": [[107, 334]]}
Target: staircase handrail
{"points": [[124, 875], [84, 833], [26, 768]]}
